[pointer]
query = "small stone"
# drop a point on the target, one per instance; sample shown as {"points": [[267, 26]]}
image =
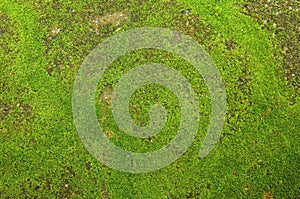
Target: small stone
{"points": [[187, 11], [265, 22], [55, 31]]}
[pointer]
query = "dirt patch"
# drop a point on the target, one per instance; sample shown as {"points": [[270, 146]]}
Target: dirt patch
{"points": [[20, 111], [5, 109], [105, 194], [283, 19], [268, 195], [106, 94], [8, 34], [115, 19]]}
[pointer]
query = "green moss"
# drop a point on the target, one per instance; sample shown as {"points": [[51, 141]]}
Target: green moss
{"points": [[43, 44]]}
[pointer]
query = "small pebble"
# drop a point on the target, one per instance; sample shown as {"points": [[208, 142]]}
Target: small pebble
{"points": [[185, 12]]}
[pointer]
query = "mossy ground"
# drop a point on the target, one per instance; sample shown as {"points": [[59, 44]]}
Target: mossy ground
{"points": [[43, 44]]}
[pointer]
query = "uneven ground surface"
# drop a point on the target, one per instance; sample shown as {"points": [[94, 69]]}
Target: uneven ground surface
{"points": [[254, 44], [282, 19]]}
